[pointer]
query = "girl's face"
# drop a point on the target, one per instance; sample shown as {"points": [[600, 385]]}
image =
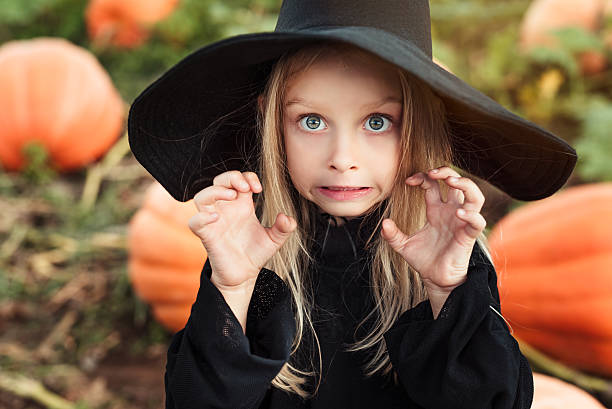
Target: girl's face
{"points": [[342, 129]]}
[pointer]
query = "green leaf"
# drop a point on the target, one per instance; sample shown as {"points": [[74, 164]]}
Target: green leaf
{"points": [[453, 10], [594, 147], [22, 11], [555, 56], [37, 169], [577, 39]]}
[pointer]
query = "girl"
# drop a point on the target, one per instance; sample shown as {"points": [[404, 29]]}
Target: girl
{"points": [[372, 287]]}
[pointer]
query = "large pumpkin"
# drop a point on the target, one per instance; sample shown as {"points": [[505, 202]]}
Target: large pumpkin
{"points": [[544, 16], [553, 393], [554, 260], [57, 94], [165, 256], [124, 23]]}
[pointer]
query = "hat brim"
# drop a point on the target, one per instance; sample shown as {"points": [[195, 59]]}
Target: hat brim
{"points": [[198, 119]]}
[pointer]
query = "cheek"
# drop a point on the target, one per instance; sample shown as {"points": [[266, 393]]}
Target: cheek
{"points": [[297, 163], [300, 165], [300, 149], [385, 151], [385, 162]]}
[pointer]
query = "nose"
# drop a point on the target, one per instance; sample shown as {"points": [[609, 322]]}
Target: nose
{"points": [[343, 155]]}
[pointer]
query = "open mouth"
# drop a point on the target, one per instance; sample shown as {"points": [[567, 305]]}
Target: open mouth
{"points": [[344, 188], [345, 193]]}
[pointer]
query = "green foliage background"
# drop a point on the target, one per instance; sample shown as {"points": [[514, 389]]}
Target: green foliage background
{"points": [[476, 39]]}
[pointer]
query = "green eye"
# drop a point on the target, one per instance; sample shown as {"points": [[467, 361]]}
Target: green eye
{"points": [[378, 123], [312, 122]]}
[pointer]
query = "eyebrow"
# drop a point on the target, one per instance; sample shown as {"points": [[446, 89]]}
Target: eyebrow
{"points": [[376, 104]]}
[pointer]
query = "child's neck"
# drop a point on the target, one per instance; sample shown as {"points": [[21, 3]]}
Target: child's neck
{"points": [[340, 220]]}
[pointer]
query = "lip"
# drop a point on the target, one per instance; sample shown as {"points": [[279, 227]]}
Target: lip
{"points": [[345, 194], [343, 187]]}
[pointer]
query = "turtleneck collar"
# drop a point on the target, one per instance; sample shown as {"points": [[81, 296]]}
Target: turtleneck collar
{"points": [[335, 245]]}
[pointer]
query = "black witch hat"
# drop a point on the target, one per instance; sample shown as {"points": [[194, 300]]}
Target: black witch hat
{"points": [[199, 118]]}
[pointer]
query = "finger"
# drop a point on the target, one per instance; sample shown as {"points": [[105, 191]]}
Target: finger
{"points": [[455, 196], [198, 221], [476, 223], [432, 189], [208, 196], [281, 229], [474, 199], [234, 179], [444, 172], [253, 180], [396, 238]]}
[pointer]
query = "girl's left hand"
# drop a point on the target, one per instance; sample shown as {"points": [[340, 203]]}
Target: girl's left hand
{"points": [[441, 250]]}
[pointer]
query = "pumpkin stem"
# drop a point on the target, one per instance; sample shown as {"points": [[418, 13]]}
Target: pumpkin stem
{"points": [[99, 171], [561, 371], [30, 388]]}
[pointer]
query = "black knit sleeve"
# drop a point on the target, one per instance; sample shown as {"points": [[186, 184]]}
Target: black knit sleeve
{"points": [[211, 363], [467, 357]]}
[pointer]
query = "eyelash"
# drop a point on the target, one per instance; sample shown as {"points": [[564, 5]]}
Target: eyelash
{"points": [[387, 117]]}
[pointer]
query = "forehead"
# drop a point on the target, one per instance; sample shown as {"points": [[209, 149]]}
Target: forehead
{"points": [[346, 70]]}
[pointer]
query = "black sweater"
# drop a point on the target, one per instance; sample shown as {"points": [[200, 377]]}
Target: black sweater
{"points": [[466, 358]]}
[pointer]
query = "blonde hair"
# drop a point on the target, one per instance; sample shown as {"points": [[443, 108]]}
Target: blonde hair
{"points": [[396, 287]]}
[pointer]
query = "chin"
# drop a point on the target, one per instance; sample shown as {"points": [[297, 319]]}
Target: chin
{"points": [[345, 209]]}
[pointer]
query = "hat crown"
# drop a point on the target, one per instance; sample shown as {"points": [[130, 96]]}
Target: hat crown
{"points": [[407, 19]]}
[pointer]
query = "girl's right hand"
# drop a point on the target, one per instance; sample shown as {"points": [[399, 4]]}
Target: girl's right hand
{"points": [[238, 246]]}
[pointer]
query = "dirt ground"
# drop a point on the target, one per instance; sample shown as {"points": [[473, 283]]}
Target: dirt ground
{"points": [[115, 377]]}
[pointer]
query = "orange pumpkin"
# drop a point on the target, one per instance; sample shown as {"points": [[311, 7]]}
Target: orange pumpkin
{"points": [[165, 256], [544, 16], [553, 393], [57, 94], [554, 260], [124, 23]]}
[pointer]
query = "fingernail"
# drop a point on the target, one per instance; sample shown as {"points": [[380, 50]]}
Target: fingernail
{"points": [[453, 179], [435, 170], [244, 185], [461, 212]]}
